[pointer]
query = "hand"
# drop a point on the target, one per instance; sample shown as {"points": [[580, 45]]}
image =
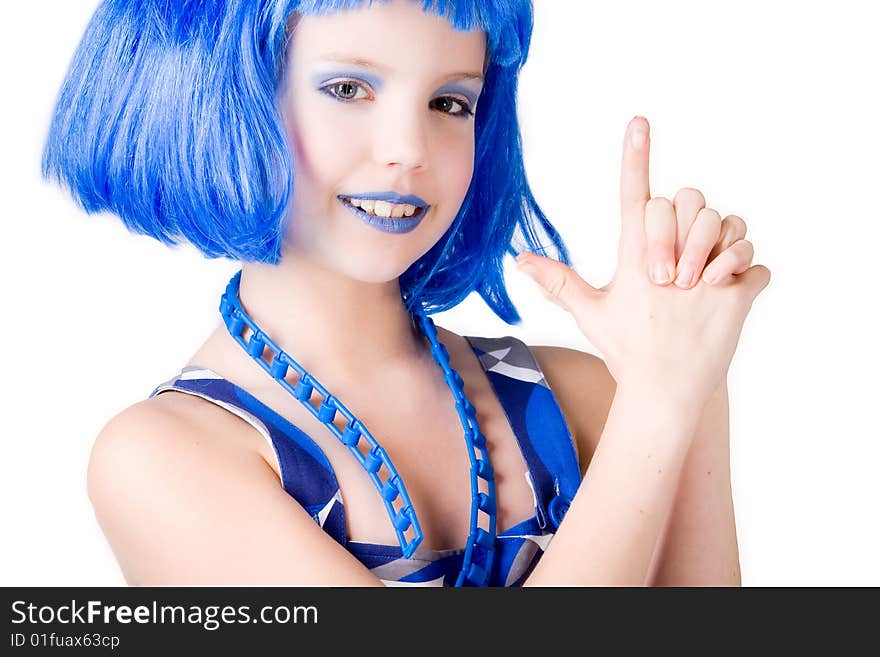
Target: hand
{"points": [[653, 338], [696, 236]]}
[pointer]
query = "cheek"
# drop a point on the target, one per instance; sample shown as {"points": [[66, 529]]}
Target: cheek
{"points": [[456, 179], [321, 148], [458, 169]]}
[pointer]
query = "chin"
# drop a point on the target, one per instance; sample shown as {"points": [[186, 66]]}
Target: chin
{"points": [[369, 267]]}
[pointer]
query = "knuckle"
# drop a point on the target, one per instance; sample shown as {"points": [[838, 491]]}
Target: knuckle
{"points": [[556, 283], [689, 194], [709, 216], [659, 203], [736, 224], [740, 250], [746, 246]]}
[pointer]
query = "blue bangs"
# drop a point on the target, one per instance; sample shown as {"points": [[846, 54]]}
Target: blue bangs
{"points": [[167, 118]]}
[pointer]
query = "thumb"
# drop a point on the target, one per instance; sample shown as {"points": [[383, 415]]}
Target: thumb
{"points": [[558, 282], [755, 279]]}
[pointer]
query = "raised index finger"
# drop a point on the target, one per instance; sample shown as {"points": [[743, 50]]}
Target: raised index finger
{"points": [[635, 190]]}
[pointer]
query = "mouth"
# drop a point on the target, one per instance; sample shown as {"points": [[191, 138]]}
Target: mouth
{"points": [[389, 224]]}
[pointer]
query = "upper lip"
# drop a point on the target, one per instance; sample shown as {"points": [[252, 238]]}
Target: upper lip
{"points": [[391, 197]]}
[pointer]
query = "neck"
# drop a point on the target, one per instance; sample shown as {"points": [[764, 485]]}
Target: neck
{"points": [[329, 322]]}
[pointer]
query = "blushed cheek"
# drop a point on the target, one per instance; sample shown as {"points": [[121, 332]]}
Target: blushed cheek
{"points": [[315, 139], [314, 155], [460, 174], [328, 148], [318, 145]]}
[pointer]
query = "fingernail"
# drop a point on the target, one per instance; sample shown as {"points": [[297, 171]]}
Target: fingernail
{"points": [[639, 135], [710, 276], [660, 273], [685, 277]]}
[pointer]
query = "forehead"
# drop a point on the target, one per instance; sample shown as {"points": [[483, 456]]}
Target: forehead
{"points": [[395, 36]]}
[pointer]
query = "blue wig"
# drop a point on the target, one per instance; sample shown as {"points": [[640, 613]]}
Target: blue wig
{"points": [[167, 118]]}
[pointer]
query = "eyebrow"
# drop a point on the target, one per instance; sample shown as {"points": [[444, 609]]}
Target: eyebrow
{"points": [[357, 61]]}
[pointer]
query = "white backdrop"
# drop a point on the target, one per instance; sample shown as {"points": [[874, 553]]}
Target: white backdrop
{"points": [[770, 109]]}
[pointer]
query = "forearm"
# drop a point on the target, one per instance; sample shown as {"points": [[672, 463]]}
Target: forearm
{"points": [[699, 546], [608, 536]]}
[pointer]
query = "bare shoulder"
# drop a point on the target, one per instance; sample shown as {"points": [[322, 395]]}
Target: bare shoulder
{"points": [[181, 505], [584, 388]]}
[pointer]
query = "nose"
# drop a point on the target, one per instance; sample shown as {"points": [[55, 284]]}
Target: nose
{"points": [[402, 141]]}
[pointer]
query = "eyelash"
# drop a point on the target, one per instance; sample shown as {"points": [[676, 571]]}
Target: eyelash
{"points": [[463, 114]]}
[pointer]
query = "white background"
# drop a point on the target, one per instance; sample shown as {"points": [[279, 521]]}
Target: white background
{"points": [[770, 109]]}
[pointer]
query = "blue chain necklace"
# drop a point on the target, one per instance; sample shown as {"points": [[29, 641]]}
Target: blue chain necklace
{"points": [[260, 347]]}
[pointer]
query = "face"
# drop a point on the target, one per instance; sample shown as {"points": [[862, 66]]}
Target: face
{"points": [[378, 100]]}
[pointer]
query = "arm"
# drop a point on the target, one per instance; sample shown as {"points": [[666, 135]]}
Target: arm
{"points": [[614, 522], [585, 390], [699, 545], [181, 507]]}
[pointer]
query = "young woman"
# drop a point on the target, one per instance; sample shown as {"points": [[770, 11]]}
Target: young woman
{"points": [[362, 161]]}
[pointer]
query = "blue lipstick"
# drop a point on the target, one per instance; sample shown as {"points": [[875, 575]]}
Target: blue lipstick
{"points": [[388, 224]]}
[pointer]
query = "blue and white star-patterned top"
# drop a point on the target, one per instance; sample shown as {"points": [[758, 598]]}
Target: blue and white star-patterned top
{"points": [[537, 422]]}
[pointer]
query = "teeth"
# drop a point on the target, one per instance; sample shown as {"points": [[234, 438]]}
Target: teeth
{"points": [[384, 208]]}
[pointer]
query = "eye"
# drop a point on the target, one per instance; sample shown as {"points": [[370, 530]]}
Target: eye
{"points": [[465, 110], [343, 90], [346, 86]]}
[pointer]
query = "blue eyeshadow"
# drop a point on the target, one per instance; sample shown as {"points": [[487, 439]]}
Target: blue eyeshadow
{"points": [[322, 78], [462, 90], [319, 79]]}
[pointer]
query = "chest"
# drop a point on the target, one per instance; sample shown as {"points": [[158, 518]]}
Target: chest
{"points": [[417, 424]]}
